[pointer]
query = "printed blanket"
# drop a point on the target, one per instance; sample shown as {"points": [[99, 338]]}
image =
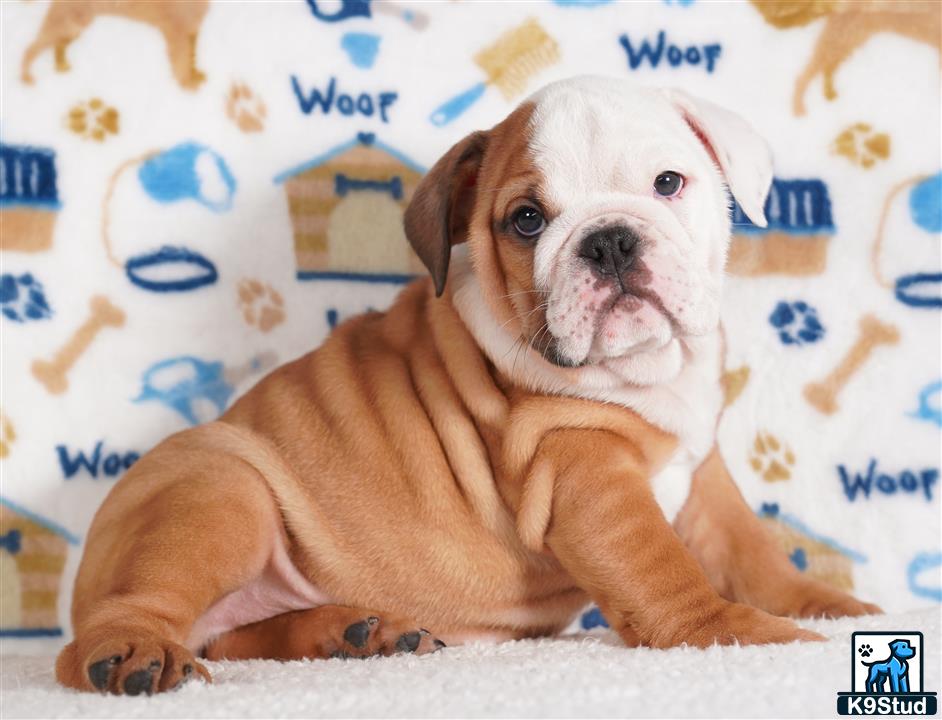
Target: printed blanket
{"points": [[192, 192]]}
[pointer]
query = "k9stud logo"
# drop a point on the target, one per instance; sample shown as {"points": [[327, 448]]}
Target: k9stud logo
{"points": [[887, 676]]}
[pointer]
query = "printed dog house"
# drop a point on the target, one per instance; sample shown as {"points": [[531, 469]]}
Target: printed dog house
{"points": [[816, 556], [33, 551], [795, 241], [346, 212], [29, 199]]}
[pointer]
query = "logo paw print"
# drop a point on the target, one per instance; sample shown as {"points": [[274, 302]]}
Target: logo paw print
{"points": [[245, 108], [865, 651], [797, 323], [770, 458], [861, 145], [262, 306], [93, 120]]}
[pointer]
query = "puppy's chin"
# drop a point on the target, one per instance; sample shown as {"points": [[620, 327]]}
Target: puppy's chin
{"points": [[633, 326], [633, 340]]}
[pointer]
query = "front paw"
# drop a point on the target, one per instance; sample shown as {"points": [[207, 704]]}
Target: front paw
{"points": [[814, 599], [734, 624], [138, 666]]}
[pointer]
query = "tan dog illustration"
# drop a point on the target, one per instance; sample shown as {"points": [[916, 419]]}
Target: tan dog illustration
{"points": [[178, 21], [849, 25], [499, 447]]}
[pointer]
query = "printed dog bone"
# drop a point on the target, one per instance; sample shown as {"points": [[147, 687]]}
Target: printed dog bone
{"points": [[823, 395], [53, 374]]}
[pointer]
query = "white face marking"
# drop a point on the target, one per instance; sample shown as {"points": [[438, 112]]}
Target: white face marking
{"points": [[599, 145]]}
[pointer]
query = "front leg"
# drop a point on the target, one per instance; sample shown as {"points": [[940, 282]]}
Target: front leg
{"points": [[609, 533], [742, 560]]}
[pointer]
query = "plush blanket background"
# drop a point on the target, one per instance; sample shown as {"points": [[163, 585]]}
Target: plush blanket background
{"points": [[171, 231]]}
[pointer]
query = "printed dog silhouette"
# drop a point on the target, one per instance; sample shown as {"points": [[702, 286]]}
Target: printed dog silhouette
{"points": [[849, 25], [894, 668], [179, 22]]}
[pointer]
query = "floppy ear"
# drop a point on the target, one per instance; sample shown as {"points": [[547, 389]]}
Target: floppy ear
{"points": [[440, 210], [742, 154]]}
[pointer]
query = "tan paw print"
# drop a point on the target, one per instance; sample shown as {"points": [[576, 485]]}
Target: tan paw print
{"points": [[862, 146], [7, 435], [262, 306], [93, 120], [245, 108], [770, 458]]}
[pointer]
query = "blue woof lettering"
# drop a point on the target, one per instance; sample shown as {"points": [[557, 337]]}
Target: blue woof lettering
{"points": [[98, 461], [674, 54], [365, 104], [872, 482]]}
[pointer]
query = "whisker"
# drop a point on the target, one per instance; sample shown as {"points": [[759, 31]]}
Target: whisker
{"points": [[519, 292], [525, 316]]}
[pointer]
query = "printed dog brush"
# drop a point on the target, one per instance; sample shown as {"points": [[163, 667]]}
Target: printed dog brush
{"points": [[508, 63]]}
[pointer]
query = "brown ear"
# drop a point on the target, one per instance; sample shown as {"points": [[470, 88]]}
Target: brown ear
{"points": [[440, 210]]}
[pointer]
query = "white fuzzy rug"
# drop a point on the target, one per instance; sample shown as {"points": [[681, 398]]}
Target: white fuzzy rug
{"points": [[585, 676]]}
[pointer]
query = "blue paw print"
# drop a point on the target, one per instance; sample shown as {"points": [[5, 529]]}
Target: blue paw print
{"points": [[797, 323], [799, 559], [22, 298]]}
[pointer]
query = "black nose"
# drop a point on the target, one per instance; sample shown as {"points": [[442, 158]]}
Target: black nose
{"points": [[611, 250]]}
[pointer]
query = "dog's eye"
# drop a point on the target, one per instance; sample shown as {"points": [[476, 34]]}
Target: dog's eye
{"points": [[668, 183], [528, 221]]}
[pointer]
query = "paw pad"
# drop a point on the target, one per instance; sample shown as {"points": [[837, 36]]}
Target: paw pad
{"points": [[865, 651], [771, 459], [93, 120], [408, 642], [797, 323], [262, 306], [358, 634]]}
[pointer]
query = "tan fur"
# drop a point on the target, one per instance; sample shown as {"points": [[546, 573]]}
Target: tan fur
{"points": [[179, 22], [322, 632], [403, 472]]}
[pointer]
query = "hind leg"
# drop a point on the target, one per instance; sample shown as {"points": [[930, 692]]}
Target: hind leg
{"points": [[186, 526], [63, 23], [181, 52], [324, 632], [743, 561]]}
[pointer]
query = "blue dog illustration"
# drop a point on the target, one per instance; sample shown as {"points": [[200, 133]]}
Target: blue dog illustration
{"points": [[894, 668]]}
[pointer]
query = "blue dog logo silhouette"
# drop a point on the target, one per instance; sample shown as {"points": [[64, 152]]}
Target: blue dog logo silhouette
{"points": [[892, 674], [887, 675]]}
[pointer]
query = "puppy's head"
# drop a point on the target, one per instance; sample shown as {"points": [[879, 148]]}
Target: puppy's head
{"points": [[597, 221]]}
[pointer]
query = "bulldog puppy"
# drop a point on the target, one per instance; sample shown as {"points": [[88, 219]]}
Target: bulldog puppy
{"points": [[485, 457]]}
